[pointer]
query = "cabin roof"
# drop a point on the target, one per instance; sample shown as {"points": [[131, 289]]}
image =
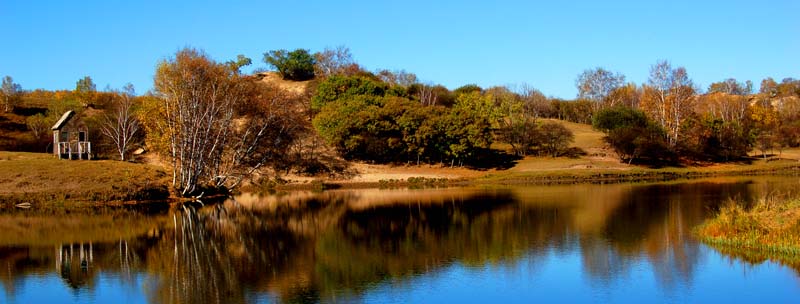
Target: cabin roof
{"points": [[63, 120]]}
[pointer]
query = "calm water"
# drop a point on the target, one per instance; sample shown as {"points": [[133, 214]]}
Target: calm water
{"points": [[586, 243]]}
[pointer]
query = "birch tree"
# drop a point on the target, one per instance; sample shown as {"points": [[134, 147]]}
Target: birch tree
{"points": [[596, 84], [427, 94], [332, 61], [668, 98], [732, 87], [211, 122], [264, 130], [197, 97], [10, 92], [121, 125]]}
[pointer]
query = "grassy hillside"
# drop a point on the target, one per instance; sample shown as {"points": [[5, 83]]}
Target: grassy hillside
{"points": [[39, 177]]}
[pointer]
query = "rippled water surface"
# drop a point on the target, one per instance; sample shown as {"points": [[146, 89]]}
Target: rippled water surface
{"points": [[622, 243]]}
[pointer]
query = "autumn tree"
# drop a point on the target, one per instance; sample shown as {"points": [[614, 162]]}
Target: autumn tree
{"points": [[479, 104], [766, 125], [211, 123], [518, 113], [398, 77], [789, 119], [240, 62], [628, 95], [364, 118], [788, 87], [295, 65], [11, 93], [668, 98], [121, 124], [427, 94], [632, 135], [769, 87], [85, 84], [720, 128], [332, 61], [732, 87], [339, 87], [555, 138], [723, 106], [467, 88], [578, 111], [266, 127], [40, 124], [596, 84]]}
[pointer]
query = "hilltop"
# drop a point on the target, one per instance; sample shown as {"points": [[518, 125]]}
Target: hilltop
{"points": [[289, 86]]}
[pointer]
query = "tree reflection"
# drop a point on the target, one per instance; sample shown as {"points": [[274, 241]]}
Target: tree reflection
{"points": [[335, 246]]}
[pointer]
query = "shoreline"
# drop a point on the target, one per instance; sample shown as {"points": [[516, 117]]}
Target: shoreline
{"points": [[561, 177], [123, 183]]}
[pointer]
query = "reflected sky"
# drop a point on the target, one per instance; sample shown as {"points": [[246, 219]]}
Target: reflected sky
{"points": [[557, 278]]}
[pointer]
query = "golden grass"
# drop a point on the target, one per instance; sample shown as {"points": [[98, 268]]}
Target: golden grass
{"points": [[586, 138], [295, 87], [771, 225], [32, 177]]}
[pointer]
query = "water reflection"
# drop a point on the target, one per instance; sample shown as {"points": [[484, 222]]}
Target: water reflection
{"points": [[337, 246]]}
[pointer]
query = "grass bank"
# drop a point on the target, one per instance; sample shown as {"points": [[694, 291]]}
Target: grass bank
{"points": [[543, 177], [38, 177], [637, 174], [770, 228]]}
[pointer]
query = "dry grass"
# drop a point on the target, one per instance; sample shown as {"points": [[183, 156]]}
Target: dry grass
{"points": [[273, 78], [36, 177], [771, 225], [585, 137]]}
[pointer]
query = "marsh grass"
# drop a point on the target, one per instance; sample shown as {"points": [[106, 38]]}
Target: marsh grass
{"points": [[767, 228]]}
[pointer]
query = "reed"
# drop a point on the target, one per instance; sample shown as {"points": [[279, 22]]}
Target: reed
{"points": [[769, 226]]}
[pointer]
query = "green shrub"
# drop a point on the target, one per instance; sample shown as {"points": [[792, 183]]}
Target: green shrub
{"points": [[295, 65]]}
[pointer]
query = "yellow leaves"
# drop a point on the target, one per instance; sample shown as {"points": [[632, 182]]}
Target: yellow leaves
{"points": [[763, 115], [478, 104], [723, 106]]}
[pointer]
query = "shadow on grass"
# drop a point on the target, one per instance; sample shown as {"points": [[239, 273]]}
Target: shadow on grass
{"points": [[29, 111], [575, 152], [493, 159]]}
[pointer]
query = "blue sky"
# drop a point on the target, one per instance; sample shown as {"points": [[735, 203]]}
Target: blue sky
{"points": [[51, 44]]}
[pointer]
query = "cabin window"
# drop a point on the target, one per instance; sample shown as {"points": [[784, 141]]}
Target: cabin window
{"points": [[81, 136], [64, 137]]}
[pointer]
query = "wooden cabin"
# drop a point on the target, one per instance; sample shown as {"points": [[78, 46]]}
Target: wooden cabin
{"points": [[71, 138]]}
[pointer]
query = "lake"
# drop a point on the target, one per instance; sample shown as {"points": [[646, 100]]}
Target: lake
{"points": [[617, 243]]}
